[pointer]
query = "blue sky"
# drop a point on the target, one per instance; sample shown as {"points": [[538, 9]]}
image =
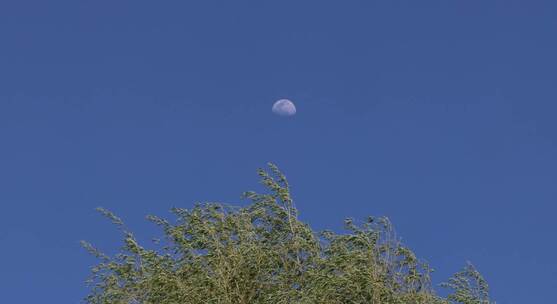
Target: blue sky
{"points": [[437, 114]]}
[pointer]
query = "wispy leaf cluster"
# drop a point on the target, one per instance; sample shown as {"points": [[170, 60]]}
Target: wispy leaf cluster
{"points": [[262, 253]]}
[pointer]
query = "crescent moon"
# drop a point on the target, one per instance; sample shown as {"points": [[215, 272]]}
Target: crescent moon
{"points": [[284, 107]]}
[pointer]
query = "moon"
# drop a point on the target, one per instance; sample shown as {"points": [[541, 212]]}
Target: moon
{"points": [[284, 107]]}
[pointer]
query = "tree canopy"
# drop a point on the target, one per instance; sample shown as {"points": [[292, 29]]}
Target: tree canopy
{"points": [[262, 253]]}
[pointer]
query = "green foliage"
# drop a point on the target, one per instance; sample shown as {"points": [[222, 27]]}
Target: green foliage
{"points": [[469, 287], [262, 253]]}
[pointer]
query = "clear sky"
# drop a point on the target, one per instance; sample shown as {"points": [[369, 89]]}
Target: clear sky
{"points": [[437, 114]]}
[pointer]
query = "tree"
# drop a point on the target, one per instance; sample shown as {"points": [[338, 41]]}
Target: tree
{"points": [[261, 253]]}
